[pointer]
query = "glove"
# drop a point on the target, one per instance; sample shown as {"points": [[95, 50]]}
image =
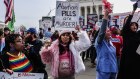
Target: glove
{"points": [[135, 5]]}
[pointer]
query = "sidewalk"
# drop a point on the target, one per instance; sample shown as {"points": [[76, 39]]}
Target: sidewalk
{"points": [[90, 73]]}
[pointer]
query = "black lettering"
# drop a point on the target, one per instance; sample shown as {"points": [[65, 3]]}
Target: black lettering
{"points": [[59, 5], [64, 18], [69, 18], [69, 13], [73, 24], [74, 13], [64, 13]]}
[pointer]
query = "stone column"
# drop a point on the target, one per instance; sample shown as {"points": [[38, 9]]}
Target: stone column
{"points": [[91, 9], [97, 11], [102, 9], [80, 11], [85, 9]]}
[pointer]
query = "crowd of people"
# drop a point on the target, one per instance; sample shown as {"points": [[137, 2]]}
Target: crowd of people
{"points": [[111, 50]]}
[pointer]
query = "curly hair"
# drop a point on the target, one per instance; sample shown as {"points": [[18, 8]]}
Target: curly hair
{"points": [[9, 39]]}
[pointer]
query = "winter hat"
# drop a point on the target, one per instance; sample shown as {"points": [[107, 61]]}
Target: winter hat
{"points": [[64, 31]]}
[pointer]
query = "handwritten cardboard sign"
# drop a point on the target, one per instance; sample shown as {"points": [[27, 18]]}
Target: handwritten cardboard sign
{"points": [[67, 15]]}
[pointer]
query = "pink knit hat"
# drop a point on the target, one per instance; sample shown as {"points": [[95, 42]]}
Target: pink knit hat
{"points": [[64, 31]]}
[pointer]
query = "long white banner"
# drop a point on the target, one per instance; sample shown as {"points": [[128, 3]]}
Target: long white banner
{"points": [[21, 75]]}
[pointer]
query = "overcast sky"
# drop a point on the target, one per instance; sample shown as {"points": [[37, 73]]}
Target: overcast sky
{"points": [[28, 12]]}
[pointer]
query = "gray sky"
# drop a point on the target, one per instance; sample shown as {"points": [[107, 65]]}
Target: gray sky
{"points": [[28, 12]]}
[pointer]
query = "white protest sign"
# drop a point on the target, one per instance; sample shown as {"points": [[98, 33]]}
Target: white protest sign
{"points": [[67, 15], [47, 24], [21, 75]]}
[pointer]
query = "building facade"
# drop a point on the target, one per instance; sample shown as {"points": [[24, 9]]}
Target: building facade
{"points": [[89, 7]]}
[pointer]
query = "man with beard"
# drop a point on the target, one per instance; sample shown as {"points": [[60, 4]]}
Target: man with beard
{"points": [[35, 45]]}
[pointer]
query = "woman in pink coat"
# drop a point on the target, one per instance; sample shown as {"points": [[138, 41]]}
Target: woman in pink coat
{"points": [[64, 54]]}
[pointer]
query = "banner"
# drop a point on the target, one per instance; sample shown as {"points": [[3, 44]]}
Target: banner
{"points": [[67, 15], [21, 75]]}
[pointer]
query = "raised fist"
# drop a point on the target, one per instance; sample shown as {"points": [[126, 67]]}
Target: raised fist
{"points": [[135, 5]]}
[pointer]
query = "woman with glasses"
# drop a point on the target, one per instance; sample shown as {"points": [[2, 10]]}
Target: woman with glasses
{"points": [[13, 59]]}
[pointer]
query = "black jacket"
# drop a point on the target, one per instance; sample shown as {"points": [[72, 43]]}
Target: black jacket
{"points": [[129, 64], [34, 56]]}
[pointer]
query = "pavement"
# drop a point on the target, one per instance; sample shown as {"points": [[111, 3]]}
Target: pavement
{"points": [[90, 73]]}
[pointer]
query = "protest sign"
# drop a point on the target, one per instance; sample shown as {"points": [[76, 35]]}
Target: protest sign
{"points": [[21, 75], [91, 20], [67, 15], [46, 22]]}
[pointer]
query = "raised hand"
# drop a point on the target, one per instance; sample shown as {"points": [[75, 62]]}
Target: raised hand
{"points": [[135, 6], [77, 28], [106, 13]]}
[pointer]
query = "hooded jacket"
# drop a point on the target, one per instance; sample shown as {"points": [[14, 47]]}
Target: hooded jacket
{"points": [[51, 54]]}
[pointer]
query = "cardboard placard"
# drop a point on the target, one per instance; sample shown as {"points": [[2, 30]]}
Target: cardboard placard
{"points": [[67, 15]]}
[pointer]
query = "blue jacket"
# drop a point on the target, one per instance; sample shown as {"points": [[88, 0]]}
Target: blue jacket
{"points": [[106, 52]]}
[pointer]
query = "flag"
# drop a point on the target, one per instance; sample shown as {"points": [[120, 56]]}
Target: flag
{"points": [[9, 8], [10, 16], [11, 23]]}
